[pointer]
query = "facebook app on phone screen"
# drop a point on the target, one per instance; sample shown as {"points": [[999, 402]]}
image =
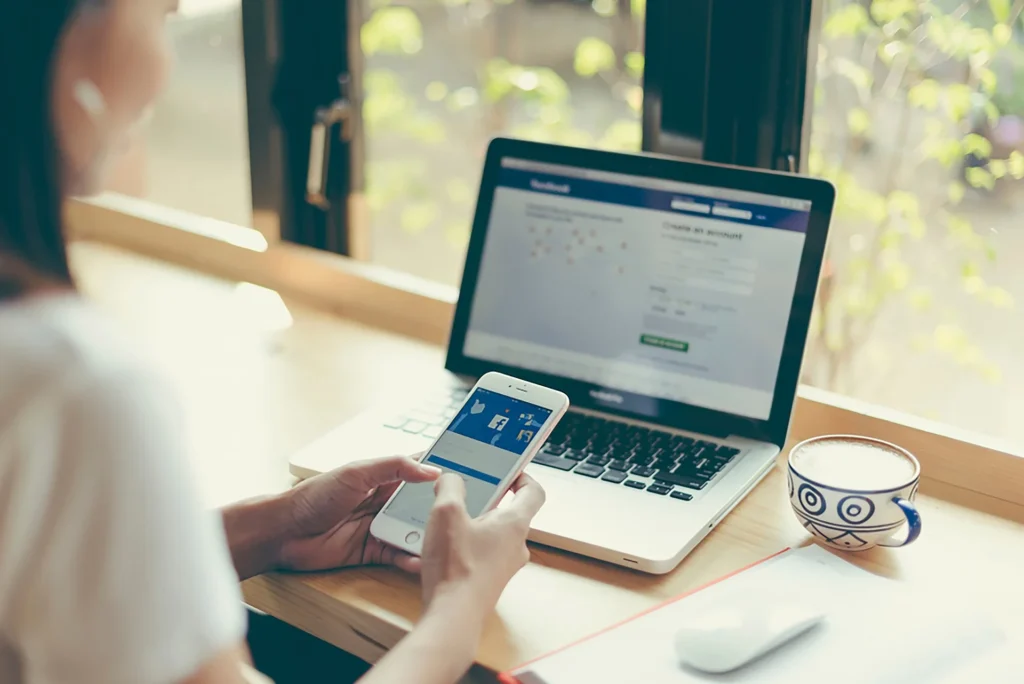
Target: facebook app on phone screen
{"points": [[482, 445]]}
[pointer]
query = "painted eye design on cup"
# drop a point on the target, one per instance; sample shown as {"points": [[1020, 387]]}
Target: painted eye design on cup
{"points": [[811, 499], [856, 509]]}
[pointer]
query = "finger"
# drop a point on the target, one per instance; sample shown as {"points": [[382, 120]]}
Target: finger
{"points": [[366, 475], [407, 563], [382, 554], [371, 505], [450, 490], [529, 497]]}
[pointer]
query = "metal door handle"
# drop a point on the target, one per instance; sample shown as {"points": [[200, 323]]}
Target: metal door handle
{"points": [[338, 113]]}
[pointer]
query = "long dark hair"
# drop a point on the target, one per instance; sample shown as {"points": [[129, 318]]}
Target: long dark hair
{"points": [[31, 196]]}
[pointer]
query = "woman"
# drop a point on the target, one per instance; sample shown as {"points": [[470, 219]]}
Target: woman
{"points": [[110, 571]]}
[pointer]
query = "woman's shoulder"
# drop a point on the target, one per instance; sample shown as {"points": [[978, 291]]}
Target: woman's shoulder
{"points": [[55, 343], [115, 570]]}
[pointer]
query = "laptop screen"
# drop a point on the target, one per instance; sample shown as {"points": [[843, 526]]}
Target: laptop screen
{"points": [[654, 287]]}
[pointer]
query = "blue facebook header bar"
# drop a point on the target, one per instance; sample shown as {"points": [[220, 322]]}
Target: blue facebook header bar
{"points": [[659, 200], [499, 420]]}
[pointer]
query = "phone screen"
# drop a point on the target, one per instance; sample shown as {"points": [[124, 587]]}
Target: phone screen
{"points": [[482, 444]]}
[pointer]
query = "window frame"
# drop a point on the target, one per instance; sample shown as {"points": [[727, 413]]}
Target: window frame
{"points": [[954, 461], [753, 102], [300, 69]]}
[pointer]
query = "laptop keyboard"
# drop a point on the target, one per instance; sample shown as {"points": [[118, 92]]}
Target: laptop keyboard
{"points": [[431, 415], [636, 457]]}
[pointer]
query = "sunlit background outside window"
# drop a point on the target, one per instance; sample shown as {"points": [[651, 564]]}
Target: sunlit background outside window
{"points": [[443, 77], [918, 121], [917, 118], [195, 156]]}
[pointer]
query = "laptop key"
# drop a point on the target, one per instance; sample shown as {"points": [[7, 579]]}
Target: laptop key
{"points": [[432, 432], [683, 479], [635, 484], [554, 461], [599, 460], [554, 449], [726, 452], [428, 417], [711, 469], [615, 476], [689, 468], [696, 451], [396, 423], [414, 427], [587, 470], [574, 455], [682, 496], [643, 471], [619, 465], [659, 489]]}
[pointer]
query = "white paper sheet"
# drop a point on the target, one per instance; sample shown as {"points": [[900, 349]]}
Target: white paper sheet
{"points": [[877, 631], [1002, 666]]}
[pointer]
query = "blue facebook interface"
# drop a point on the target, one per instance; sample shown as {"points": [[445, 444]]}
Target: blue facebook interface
{"points": [[482, 445], [657, 288]]}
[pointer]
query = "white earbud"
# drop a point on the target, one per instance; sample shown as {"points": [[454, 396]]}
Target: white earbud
{"points": [[89, 97]]}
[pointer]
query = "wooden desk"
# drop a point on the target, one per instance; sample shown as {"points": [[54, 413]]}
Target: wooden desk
{"points": [[257, 387]]}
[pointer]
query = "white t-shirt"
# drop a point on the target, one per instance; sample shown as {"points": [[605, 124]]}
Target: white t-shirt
{"points": [[111, 570]]}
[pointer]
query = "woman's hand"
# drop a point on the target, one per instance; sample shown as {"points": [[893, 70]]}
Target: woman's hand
{"points": [[468, 562], [330, 515], [466, 565]]}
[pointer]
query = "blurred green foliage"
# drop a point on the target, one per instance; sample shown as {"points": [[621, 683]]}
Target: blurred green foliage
{"points": [[918, 82], [528, 101]]}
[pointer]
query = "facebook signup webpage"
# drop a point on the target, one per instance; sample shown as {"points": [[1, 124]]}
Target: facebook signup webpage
{"points": [[657, 288], [482, 445]]}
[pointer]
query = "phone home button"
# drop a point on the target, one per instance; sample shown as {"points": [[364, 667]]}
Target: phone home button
{"points": [[412, 537]]}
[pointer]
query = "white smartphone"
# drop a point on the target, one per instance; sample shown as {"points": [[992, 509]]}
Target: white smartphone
{"points": [[499, 428]]}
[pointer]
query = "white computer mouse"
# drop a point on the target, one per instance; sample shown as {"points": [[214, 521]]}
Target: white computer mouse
{"points": [[727, 638]]}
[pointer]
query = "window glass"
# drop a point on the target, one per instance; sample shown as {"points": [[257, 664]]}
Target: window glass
{"points": [[917, 119], [195, 155], [442, 77]]}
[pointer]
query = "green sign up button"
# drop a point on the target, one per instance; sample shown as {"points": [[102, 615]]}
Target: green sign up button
{"points": [[665, 343]]}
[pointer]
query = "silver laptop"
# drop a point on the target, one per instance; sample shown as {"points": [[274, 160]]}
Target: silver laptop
{"points": [[669, 299]]}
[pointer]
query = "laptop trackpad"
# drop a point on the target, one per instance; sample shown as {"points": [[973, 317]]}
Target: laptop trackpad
{"points": [[606, 516]]}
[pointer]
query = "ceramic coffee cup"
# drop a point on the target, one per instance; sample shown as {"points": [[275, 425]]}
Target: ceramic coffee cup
{"points": [[854, 493]]}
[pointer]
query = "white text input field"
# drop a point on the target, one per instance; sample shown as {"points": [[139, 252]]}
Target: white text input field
{"points": [[683, 256], [720, 286], [686, 205], [728, 212]]}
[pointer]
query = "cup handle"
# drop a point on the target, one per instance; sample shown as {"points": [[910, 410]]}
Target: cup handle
{"points": [[913, 519]]}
